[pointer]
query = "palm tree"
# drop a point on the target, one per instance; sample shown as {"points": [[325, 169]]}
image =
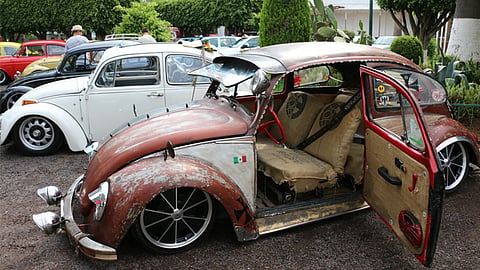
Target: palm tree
{"points": [[464, 42]]}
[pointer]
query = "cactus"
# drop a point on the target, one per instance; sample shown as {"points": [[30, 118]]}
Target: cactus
{"points": [[325, 25]]}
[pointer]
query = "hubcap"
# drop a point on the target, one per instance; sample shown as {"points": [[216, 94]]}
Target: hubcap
{"points": [[36, 133]]}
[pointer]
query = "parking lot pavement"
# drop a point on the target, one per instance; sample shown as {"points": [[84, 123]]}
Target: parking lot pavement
{"points": [[355, 241]]}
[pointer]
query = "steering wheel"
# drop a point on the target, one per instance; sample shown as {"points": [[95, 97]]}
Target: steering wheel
{"points": [[266, 125]]}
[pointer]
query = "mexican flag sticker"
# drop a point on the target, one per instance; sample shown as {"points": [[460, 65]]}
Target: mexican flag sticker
{"points": [[240, 159]]}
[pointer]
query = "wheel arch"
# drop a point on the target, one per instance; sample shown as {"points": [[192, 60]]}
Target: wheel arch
{"points": [[134, 186], [71, 130]]}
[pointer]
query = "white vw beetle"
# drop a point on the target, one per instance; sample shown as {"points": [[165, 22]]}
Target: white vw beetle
{"points": [[128, 81]]}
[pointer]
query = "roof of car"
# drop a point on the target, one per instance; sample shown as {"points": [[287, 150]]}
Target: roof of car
{"points": [[48, 41], [102, 44], [147, 48], [283, 58]]}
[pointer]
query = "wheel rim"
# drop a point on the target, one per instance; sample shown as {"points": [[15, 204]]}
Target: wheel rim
{"points": [[36, 133], [453, 158], [177, 217], [3, 77], [12, 99]]}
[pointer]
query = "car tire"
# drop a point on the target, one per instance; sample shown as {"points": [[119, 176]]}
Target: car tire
{"points": [[4, 78], [37, 136], [175, 220], [454, 159]]}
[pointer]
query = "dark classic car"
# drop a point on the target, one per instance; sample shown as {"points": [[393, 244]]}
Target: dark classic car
{"points": [[78, 61], [328, 129]]}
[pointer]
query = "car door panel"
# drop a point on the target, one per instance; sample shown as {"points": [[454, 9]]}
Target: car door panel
{"points": [[403, 183]]}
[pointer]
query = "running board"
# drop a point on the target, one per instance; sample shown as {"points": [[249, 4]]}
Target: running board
{"points": [[288, 216]]}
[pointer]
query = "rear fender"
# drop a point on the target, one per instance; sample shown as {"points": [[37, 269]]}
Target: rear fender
{"points": [[134, 186], [71, 129]]}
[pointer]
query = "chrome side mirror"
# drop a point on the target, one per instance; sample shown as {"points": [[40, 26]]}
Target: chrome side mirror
{"points": [[260, 82]]}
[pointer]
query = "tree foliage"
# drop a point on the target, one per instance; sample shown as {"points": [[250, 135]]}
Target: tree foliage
{"points": [[204, 16], [41, 16], [425, 17], [283, 21], [141, 15]]}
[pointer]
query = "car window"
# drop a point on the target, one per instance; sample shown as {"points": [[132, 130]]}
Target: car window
{"points": [[36, 50], [178, 67], [10, 50], [318, 76], [55, 49], [402, 122], [213, 41], [227, 42], [425, 89], [133, 71], [82, 61]]}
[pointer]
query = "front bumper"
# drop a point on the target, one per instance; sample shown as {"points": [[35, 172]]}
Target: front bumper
{"points": [[80, 240]]}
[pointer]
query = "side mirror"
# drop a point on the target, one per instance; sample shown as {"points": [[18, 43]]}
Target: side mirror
{"points": [[260, 82]]}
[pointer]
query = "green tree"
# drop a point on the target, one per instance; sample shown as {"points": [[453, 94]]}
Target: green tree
{"points": [[425, 17], [41, 16], [204, 16], [141, 15], [283, 21]]}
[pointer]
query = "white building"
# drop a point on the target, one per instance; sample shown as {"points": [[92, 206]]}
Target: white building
{"points": [[350, 12]]}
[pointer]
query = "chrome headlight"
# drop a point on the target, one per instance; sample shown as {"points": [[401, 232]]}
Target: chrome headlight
{"points": [[48, 222], [51, 194], [99, 197]]}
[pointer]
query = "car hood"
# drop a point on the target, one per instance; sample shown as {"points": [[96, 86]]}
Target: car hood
{"points": [[34, 77], [201, 120], [63, 87]]}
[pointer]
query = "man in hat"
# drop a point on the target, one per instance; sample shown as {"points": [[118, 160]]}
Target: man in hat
{"points": [[146, 37], [77, 38]]}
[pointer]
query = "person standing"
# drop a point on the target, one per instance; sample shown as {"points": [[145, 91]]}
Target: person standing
{"points": [[77, 37], [146, 37]]}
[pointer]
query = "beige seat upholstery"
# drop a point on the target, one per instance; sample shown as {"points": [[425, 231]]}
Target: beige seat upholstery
{"points": [[321, 162], [296, 114]]}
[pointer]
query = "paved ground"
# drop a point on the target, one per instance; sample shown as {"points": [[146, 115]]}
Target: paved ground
{"points": [[356, 241]]}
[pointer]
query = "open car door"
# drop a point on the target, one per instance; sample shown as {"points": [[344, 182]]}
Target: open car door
{"points": [[403, 181]]}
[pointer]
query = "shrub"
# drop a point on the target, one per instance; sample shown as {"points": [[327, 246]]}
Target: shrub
{"points": [[283, 21], [432, 48], [459, 94], [408, 46]]}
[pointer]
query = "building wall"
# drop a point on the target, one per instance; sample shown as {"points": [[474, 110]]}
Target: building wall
{"points": [[383, 24]]}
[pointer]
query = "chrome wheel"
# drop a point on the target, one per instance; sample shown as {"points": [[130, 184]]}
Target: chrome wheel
{"points": [[36, 135], [454, 160], [174, 220], [12, 99], [3, 77]]}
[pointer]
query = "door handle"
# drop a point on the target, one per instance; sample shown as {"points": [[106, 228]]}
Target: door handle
{"points": [[155, 94], [390, 179]]}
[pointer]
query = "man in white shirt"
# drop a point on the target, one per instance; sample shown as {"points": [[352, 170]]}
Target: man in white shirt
{"points": [[77, 37], [146, 37]]}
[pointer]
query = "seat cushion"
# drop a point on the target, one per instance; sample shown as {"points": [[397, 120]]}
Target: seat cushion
{"points": [[297, 114], [300, 170]]}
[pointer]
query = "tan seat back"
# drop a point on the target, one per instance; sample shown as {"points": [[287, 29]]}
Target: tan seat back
{"points": [[297, 114], [333, 146]]}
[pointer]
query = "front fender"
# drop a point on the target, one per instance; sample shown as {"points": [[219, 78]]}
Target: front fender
{"points": [[137, 184], [11, 90], [72, 131]]}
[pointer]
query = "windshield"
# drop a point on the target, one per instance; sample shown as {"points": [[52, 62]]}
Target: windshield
{"points": [[229, 74]]}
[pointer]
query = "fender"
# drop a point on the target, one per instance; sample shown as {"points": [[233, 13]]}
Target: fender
{"points": [[472, 149], [9, 91], [137, 184], [72, 130]]}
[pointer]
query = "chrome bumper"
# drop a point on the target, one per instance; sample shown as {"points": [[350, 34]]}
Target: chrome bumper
{"points": [[80, 240]]}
